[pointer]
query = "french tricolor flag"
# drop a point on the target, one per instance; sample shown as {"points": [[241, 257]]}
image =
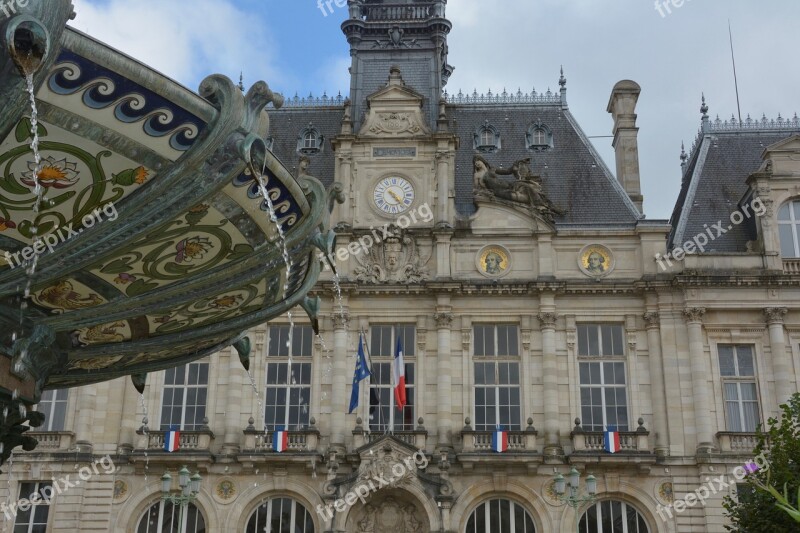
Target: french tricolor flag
{"points": [[399, 376], [172, 439], [280, 440], [500, 440], [611, 442]]}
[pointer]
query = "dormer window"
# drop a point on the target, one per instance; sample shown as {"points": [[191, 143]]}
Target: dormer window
{"points": [[539, 137], [486, 138], [789, 229], [309, 141]]}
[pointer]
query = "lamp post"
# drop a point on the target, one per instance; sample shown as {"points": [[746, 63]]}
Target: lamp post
{"points": [[573, 498], [190, 487]]}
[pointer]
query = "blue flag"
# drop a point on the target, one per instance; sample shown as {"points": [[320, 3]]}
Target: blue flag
{"points": [[361, 372]]}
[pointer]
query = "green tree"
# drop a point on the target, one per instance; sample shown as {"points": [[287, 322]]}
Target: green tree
{"points": [[756, 510]]}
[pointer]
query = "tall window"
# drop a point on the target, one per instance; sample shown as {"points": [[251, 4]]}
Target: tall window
{"points": [[54, 407], [612, 517], [539, 137], [789, 229], [497, 392], [164, 517], [34, 520], [280, 515], [185, 397], [737, 367], [288, 395], [601, 353], [500, 516], [310, 140], [383, 412], [487, 137]]}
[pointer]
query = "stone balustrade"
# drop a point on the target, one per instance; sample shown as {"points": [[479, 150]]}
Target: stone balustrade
{"points": [[739, 443], [481, 441], [791, 266], [300, 440], [187, 440], [594, 441], [51, 441], [417, 437]]}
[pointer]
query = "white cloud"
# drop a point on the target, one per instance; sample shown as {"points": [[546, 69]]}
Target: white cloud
{"points": [[184, 40]]}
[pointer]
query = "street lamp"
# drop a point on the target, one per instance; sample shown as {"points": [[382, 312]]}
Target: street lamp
{"points": [[572, 497], [190, 487]]}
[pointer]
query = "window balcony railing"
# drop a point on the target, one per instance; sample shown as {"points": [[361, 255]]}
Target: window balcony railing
{"points": [[594, 441], [415, 437], [734, 442], [791, 266], [481, 441], [50, 441], [188, 441], [398, 12], [300, 440]]}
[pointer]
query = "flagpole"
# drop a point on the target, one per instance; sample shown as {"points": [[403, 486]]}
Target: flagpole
{"points": [[369, 358]]}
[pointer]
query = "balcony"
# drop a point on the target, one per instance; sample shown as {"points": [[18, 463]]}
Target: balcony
{"points": [[737, 443], [791, 266], [397, 12], [53, 441], [415, 437], [476, 446], [194, 445], [591, 445]]}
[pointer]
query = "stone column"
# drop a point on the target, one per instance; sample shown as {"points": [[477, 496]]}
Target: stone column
{"points": [[444, 379], [340, 400], [87, 400], [442, 187], [341, 211], [550, 379], [233, 401], [657, 387], [781, 364], [700, 383]]}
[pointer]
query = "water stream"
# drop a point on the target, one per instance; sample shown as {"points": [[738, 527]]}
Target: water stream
{"points": [[146, 432]]}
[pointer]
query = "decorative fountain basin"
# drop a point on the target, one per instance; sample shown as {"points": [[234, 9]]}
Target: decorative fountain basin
{"points": [[152, 245]]}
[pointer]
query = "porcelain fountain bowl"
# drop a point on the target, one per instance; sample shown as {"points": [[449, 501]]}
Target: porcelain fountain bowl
{"points": [[153, 245]]}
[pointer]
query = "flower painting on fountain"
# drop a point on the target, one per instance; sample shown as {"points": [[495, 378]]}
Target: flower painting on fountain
{"points": [[214, 235]]}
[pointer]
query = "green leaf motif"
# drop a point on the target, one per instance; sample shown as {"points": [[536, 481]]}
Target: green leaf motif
{"points": [[239, 251], [23, 130], [139, 287], [117, 266], [175, 268]]}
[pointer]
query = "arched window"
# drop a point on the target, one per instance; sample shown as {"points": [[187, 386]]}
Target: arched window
{"points": [[280, 515], [310, 140], [789, 228], [612, 516], [500, 516], [486, 138], [539, 137], [164, 517]]}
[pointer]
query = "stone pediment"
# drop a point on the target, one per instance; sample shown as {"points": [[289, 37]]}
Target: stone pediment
{"points": [[782, 159], [395, 111]]}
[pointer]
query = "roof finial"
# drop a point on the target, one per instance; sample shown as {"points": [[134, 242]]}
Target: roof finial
{"points": [[704, 107], [684, 156], [562, 81], [241, 81]]}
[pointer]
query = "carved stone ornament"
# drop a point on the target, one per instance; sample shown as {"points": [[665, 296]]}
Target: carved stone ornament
{"points": [[694, 314], [548, 320], [493, 261], [394, 111], [523, 191], [391, 516], [596, 261], [397, 259], [774, 315], [443, 320], [651, 319], [395, 123]]}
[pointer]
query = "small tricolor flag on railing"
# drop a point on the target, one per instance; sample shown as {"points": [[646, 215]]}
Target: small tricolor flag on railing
{"points": [[280, 440], [611, 442], [172, 440], [500, 440]]}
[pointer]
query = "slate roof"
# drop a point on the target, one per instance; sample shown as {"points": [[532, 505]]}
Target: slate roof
{"points": [[715, 181], [575, 177]]}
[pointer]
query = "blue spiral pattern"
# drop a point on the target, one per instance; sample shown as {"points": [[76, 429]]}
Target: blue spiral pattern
{"points": [[132, 103]]}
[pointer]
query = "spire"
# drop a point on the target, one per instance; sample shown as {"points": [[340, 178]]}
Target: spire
{"points": [[562, 81], [241, 81], [704, 111], [684, 158]]}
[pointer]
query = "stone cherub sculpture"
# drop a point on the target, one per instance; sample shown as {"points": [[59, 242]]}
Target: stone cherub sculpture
{"points": [[525, 190]]}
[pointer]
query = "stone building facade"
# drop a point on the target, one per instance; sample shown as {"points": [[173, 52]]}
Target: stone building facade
{"points": [[528, 291]]}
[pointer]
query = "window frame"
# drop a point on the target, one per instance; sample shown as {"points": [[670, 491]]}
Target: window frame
{"points": [[302, 350], [793, 207], [41, 501], [47, 406], [183, 511], [487, 525], [739, 380], [185, 387], [603, 360], [297, 507], [624, 505], [409, 360], [497, 359]]}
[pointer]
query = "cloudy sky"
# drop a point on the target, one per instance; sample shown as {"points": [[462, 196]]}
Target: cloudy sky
{"points": [[674, 54]]}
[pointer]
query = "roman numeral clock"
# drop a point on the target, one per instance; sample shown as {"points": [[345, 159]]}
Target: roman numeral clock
{"points": [[393, 195]]}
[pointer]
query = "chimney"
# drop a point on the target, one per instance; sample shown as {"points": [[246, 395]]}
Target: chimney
{"points": [[622, 107]]}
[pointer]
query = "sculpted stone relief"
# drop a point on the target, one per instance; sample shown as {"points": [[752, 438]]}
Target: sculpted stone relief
{"points": [[524, 192], [391, 516], [396, 259]]}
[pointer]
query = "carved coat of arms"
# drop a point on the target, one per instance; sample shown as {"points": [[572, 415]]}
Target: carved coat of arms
{"points": [[397, 259]]}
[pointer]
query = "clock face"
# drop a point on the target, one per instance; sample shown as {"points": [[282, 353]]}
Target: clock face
{"points": [[393, 195]]}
